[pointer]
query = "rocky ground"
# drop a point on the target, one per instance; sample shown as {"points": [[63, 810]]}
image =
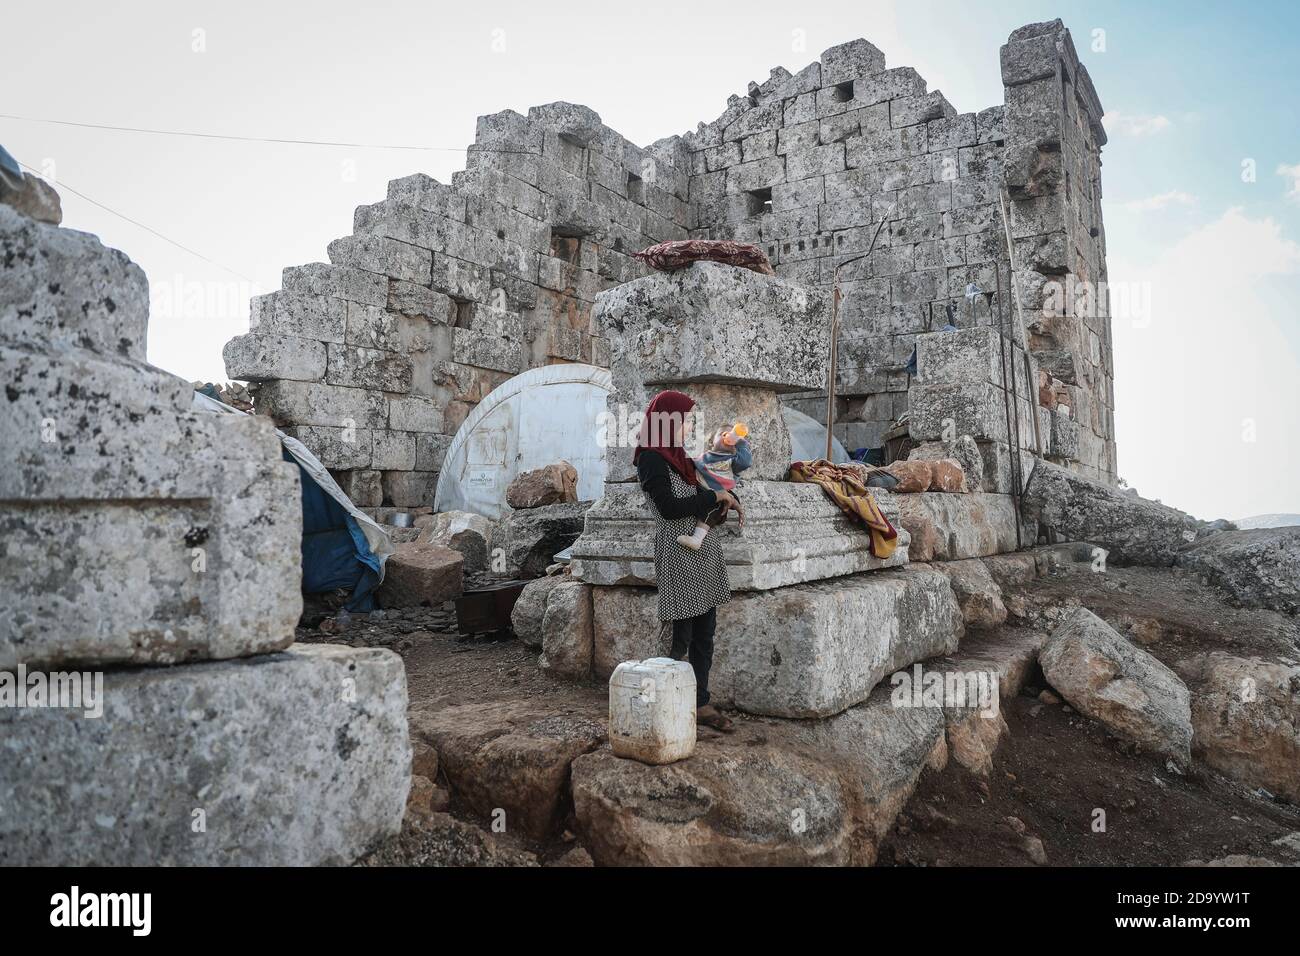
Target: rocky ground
{"points": [[1062, 789]]}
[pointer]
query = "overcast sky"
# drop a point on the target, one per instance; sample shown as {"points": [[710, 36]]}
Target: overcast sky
{"points": [[1201, 176]]}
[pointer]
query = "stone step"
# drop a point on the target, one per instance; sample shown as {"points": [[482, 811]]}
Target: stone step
{"points": [[65, 289], [776, 792], [295, 759], [793, 534], [809, 650], [949, 527]]}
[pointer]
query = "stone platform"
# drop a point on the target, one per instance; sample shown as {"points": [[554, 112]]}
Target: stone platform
{"points": [[948, 527], [793, 534], [292, 759], [807, 650]]}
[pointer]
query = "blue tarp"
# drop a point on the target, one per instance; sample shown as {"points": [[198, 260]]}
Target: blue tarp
{"points": [[335, 553]]}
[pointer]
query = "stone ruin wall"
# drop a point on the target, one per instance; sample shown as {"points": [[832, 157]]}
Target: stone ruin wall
{"points": [[443, 292]]}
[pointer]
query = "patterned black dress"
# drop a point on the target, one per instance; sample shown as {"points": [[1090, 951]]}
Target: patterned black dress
{"points": [[691, 583]]}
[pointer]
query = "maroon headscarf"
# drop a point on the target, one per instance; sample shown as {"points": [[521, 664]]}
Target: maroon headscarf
{"points": [[661, 431]]}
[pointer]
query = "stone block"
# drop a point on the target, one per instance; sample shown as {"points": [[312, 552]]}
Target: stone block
{"points": [[809, 650], [375, 369], [301, 315], [255, 358], [317, 403], [420, 574], [947, 527], [1132, 529], [410, 489], [567, 629], [249, 743], [529, 539], [793, 534], [716, 323], [341, 449], [379, 254], [549, 485], [60, 287], [851, 60]]}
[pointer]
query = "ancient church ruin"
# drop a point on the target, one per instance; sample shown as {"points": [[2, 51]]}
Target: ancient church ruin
{"points": [[443, 292]]}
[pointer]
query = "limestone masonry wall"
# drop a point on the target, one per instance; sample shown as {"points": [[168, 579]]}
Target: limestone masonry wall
{"points": [[443, 292]]}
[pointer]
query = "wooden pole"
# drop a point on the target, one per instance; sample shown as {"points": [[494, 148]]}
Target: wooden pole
{"points": [[835, 337]]}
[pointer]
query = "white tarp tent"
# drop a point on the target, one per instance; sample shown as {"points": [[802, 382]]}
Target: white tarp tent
{"points": [[539, 417], [547, 414]]}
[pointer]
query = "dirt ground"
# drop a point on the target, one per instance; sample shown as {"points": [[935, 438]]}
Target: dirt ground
{"points": [[1049, 779], [1063, 791]]}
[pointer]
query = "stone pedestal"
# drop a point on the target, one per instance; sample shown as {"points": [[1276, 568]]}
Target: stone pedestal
{"points": [[136, 532], [793, 534], [807, 633], [730, 338]]}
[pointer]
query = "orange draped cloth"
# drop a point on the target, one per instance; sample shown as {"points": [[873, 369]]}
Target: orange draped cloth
{"points": [[844, 486]]}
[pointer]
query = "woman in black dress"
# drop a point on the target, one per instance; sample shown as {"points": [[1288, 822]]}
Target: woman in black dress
{"points": [[691, 583]]}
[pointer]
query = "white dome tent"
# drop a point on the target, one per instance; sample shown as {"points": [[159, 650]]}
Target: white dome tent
{"points": [[536, 418]]}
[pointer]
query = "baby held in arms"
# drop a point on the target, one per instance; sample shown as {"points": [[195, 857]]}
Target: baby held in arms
{"points": [[719, 468]]}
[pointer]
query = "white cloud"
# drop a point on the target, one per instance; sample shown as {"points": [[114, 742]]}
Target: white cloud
{"points": [[1293, 174], [1128, 124], [1206, 414], [1160, 201]]}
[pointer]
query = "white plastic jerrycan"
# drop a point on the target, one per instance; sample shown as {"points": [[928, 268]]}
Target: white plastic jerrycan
{"points": [[652, 710]]}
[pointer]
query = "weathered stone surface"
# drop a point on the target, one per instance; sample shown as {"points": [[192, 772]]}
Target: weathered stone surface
{"points": [[977, 593], [567, 629], [946, 475], [255, 358], [509, 756], [1246, 719], [913, 476], [716, 323], [978, 410], [722, 807], [530, 609], [1132, 529], [419, 574], [951, 527], [798, 793], [529, 539], [964, 450], [810, 650], [1258, 568], [721, 406], [461, 531], [550, 485], [35, 198], [793, 534], [295, 759], [60, 287], [1124, 687]]}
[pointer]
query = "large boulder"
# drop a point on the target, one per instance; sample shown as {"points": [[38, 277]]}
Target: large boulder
{"points": [[1132, 529], [977, 593], [417, 575], [1133, 694], [809, 650], [963, 449], [529, 612], [509, 760], [529, 539], [294, 759], [550, 485], [1246, 719], [567, 631], [765, 805], [775, 793], [461, 531], [1259, 568]]}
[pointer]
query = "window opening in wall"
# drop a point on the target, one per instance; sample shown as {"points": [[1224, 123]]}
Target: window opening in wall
{"points": [[760, 201], [842, 92], [565, 247], [635, 188], [464, 313]]}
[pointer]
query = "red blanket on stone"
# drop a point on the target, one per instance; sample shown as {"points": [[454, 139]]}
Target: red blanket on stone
{"points": [[668, 256]]}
